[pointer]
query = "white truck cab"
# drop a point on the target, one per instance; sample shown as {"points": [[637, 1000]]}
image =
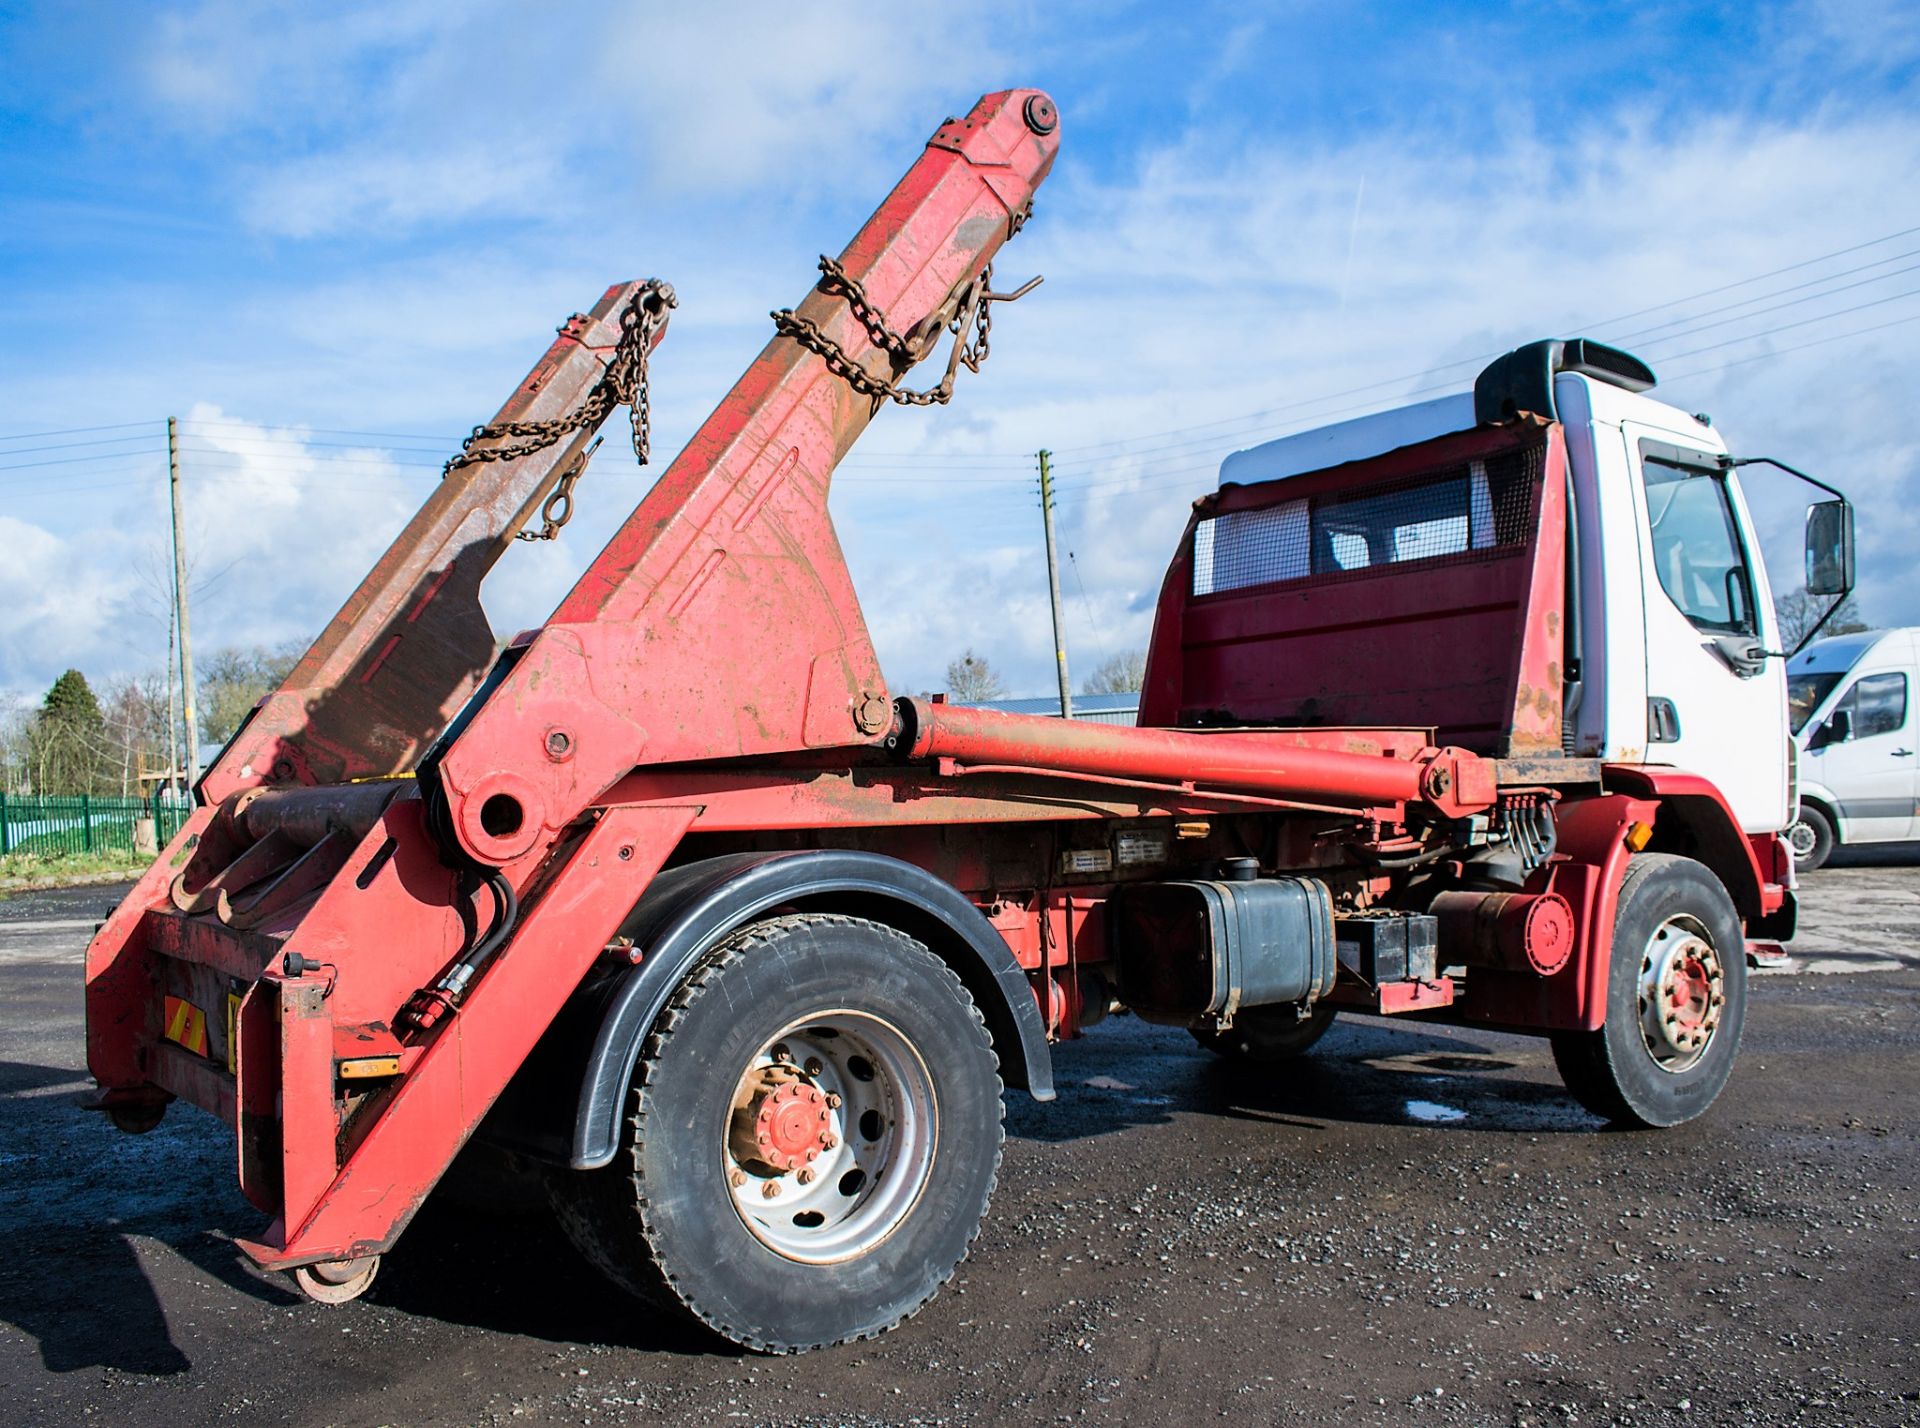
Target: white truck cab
{"points": [[1672, 649], [1851, 704]]}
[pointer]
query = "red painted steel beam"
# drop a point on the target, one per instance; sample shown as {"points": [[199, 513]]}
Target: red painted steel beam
{"points": [[412, 642], [721, 621], [1450, 780], [434, 1109]]}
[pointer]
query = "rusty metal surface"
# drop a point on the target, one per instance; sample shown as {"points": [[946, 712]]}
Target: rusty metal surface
{"points": [[307, 815], [412, 642], [1550, 769]]}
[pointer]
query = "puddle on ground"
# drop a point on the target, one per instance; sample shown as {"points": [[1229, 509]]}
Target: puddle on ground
{"points": [[1434, 1113]]}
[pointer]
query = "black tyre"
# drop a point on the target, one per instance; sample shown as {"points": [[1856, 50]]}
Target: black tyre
{"points": [[1676, 1000], [1811, 838], [815, 1136], [1268, 1033]]}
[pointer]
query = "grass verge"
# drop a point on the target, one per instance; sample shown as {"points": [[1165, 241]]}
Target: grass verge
{"points": [[28, 872]]}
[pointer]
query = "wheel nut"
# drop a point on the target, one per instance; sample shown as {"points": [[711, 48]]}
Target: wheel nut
{"points": [[833, 1100], [814, 1066], [736, 1177], [828, 1141], [806, 1177], [771, 1190], [780, 1052]]}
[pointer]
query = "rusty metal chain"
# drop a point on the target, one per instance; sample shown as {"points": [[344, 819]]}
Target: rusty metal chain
{"points": [[973, 311], [624, 383], [557, 509]]}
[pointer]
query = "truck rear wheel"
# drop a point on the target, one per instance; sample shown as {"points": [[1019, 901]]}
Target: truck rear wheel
{"points": [[1676, 1000], [815, 1135], [1266, 1034]]}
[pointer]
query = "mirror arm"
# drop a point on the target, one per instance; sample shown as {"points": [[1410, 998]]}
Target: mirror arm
{"points": [[1729, 463], [1818, 625]]}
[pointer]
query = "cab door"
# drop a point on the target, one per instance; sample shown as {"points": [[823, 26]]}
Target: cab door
{"points": [[1716, 701], [1871, 772]]}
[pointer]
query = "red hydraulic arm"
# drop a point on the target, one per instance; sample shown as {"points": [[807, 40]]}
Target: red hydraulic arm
{"points": [[412, 642], [720, 620], [1452, 781]]}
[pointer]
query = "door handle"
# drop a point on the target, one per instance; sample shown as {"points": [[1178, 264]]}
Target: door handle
{"points": [[1903, 753]]}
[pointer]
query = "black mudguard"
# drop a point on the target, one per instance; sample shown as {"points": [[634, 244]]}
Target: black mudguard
{"points": [[586, 1059]]}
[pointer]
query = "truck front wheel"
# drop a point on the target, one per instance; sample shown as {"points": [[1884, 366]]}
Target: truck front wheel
{"points": [[815, 1134], [1676, 1000]]}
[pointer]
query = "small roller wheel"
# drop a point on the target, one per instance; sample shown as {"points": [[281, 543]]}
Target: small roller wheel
{"points": [[1265, 1034], [137, 1117], [336, 1281]]}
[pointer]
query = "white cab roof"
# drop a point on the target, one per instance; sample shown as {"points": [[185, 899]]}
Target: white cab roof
{"points": [[1369, 436], [1355, 440]]}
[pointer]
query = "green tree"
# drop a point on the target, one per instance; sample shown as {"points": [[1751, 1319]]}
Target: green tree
{"points": [[68, 744], [1122, 673]]}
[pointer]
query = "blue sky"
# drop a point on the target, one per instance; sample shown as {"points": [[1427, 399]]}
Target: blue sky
{"points": [[293, 226]]}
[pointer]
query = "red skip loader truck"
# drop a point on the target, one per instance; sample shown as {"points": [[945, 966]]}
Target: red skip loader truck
{"points": [[1472, 710]]}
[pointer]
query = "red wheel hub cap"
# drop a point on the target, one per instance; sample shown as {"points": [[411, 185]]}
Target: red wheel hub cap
{"points": [[792, 1126]]}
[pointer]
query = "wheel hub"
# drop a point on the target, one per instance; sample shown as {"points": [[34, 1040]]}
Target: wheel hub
{"points": [[787, 1125], [1800, 839], [831, 1137], [1682, 994]]}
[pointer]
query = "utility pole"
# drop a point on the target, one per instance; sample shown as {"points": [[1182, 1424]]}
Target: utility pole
{"points": [[173, 703], [1053, 584], [180, 607]]}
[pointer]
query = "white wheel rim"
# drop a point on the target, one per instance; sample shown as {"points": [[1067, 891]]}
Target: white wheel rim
{"points": [[1682, 994], [1800, 839], [861, 1082]]}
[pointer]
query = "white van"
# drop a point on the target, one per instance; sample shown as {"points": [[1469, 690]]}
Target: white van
{"points": [[1851, 701]]}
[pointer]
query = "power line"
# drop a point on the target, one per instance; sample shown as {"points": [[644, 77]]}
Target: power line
{"points": [[68, 461], [1791, 302], [76, 445], [75, 430], [1488, 356], [1790, 326], [1761, 277], [1794, 288], [1797, 347]]}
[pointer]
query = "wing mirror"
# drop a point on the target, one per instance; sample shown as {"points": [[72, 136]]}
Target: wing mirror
{"points": [[1837, 729], [1829, 548]]}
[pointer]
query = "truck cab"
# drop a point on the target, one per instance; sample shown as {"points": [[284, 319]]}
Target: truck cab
{"points": [[1850, 702], [1367, 563]]}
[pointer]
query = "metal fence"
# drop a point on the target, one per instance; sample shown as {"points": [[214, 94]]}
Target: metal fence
{"points": [[61, 826]]}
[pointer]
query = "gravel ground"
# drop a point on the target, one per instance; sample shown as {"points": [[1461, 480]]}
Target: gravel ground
{"points": [[1415, 1227]]}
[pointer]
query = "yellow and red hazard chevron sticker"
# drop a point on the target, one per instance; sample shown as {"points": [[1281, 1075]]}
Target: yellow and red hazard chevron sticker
{"points": [[186, 1025]]}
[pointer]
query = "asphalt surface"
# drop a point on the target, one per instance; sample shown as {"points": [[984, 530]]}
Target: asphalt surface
{"points": [[1416, 1226]]}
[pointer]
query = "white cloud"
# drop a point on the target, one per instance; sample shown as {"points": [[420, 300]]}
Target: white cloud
{"points": [[1206, 288], [1200, 281], [415, 116]]}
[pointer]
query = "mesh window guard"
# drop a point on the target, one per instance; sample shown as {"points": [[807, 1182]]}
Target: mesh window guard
{"points": [[1452, 513]]}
